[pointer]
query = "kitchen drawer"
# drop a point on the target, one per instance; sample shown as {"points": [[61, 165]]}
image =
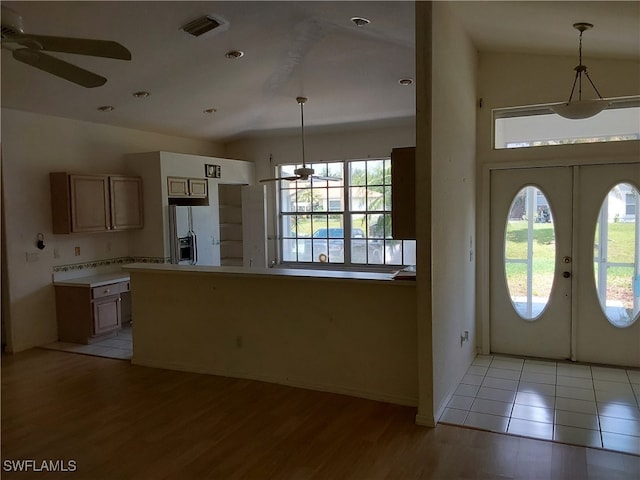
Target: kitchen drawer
{"points": [[111, 289]]}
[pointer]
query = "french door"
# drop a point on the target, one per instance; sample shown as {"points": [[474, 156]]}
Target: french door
{"points": [[564, 273]]}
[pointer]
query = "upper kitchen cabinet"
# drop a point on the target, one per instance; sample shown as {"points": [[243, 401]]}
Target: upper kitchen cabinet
{"points": [[95, 203], [187, 187], [403, 193], [126, 202]]}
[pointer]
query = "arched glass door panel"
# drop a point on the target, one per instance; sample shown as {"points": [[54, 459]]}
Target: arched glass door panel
{"points": [[530, 252], [616, 249]]}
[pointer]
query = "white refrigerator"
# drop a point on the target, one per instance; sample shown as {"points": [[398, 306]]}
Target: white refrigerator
{"points": [[193, 235]]}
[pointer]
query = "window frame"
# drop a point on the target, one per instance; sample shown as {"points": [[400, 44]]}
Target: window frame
{"points": [[545, 109], [346, 213]]}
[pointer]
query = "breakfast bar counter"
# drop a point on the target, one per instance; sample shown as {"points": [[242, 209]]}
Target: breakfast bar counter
{"points": [[345, 332], [269, 272]]}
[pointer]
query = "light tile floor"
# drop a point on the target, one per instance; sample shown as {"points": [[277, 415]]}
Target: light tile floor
{"points": [[578, 404], [118, 346]]}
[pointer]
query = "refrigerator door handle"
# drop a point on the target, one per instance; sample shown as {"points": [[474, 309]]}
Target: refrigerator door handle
{"points": [[194, 248], [173, 237]]}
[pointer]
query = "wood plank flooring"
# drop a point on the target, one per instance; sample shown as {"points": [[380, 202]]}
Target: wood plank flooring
{"points": [[118, 421]]}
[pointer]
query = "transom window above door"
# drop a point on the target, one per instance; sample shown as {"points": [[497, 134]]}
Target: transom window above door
{"points": [[537, 125], [341, 218]]}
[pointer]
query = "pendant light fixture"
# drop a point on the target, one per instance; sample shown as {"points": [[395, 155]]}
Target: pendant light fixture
{"points": [[579, 109]]}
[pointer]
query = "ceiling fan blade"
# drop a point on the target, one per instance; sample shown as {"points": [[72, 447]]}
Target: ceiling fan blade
{"points": [[79, 46], [325, 178], [58, 67], [276, 179]]}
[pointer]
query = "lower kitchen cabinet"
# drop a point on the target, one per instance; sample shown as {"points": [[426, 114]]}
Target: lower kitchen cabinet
{"points": [[106, 314], [86, 314]]}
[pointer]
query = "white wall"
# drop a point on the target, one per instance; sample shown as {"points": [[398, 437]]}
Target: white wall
{"points": [[355, 337], [453, 209], [32, 146], [283, 149], [154, 168]]}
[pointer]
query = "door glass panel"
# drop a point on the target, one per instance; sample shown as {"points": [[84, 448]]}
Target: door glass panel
{"points": [[530, 252], [615, 255]]}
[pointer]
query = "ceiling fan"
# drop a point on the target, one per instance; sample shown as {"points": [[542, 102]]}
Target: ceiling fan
{"points": [[30, 51], [304, 172]]}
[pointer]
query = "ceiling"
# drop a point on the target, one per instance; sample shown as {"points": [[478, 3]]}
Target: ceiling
{"points": [[350, 74]]}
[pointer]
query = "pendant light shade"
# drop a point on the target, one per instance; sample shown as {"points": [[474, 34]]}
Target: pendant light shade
{"points": [[579, 109]]}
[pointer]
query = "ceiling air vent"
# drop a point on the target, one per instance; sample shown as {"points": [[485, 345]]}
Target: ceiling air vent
{"points": [[202, 25]]}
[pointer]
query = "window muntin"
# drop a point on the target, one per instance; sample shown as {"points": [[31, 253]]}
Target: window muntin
{"points": [[341, 222], [537, 125]]}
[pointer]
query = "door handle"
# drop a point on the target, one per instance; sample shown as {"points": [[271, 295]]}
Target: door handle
{"points": [[194, 238], [566, 274]]}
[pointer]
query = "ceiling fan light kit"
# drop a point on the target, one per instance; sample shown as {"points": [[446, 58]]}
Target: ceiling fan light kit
{"points": [[580, 109], [31, 50]]}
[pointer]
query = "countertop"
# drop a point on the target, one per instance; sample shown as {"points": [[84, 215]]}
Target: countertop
{"points": [[94, 280], [266, 272]]}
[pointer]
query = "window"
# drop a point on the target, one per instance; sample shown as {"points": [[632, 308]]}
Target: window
{"points": [[536, 126], [343, 217], [616, 247], [630, 204]]}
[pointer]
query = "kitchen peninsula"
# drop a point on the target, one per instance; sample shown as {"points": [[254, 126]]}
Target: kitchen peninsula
{"points": [[346, 332]]}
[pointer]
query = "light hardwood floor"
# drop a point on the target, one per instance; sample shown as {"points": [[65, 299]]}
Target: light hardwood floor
{"points": [[123, 422]]}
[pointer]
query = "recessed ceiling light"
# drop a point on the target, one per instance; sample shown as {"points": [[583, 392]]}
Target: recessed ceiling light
{"points": [[105, 108], [406, 81], [141, 94], [360, 21], [210, 110], [233, 54]]}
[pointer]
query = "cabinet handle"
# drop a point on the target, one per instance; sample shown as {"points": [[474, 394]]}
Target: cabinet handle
{"points": [[107, 291]]}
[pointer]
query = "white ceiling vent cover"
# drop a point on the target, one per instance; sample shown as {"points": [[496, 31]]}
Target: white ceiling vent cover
{"points": [[204, 24]]}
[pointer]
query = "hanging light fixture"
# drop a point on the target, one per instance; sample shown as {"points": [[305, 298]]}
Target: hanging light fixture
{"points": [[579, 109]]}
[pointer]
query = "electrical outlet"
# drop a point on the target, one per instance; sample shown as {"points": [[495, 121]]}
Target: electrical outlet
{"points": [[56, 252], [77, 250]]}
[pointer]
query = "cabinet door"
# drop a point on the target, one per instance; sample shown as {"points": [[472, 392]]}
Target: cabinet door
{"points": [[177, 187], [89, 203], [106, 314], [403, 193], [126, 202], [198, 187]]}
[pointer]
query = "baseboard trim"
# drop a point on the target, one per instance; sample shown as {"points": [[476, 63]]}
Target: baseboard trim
{"points": [[291, 382], [425, 421]]}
